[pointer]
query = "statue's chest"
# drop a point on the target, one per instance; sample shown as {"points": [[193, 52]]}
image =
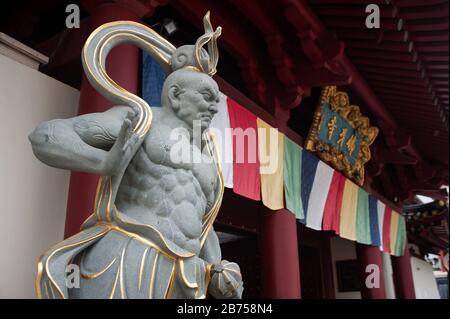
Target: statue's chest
{"points": [[199, 166]]}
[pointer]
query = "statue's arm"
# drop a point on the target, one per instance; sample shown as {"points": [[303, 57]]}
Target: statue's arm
{"points": [[82, 143]]}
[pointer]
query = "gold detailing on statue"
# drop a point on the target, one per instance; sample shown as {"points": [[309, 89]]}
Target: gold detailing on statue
{"points": [[183, 276], [171, 255], [113, 227], [37, 282], [55, 249], [46, 291], [210, 38], [191, 68], [111, 295], [208, 275], [332, 152], [141, 269], [122, 289], [103, 196], [94, 54], [172, 279], [119, 278], [208, 218], [152, 279], [96, 274]]}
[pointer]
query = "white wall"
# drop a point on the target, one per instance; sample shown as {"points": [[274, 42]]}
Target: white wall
{"points": [[425, 285], [342, 249], [32, 195]]}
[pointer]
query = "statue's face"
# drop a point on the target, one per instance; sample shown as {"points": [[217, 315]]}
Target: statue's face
{"points": [[195, 99]]}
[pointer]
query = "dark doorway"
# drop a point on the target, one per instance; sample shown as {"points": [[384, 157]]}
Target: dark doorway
{"points": [[243, 250], [316, 272], [310, 273]]}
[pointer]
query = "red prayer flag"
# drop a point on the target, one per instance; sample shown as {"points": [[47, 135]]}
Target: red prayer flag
{"points": [[246, 178], [387, 229], [332, 210]]}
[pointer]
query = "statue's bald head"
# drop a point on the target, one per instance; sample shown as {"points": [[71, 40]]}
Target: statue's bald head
{"points": [[191, 95]]}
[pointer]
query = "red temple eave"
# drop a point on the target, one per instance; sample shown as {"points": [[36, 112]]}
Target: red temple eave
{"points": [[396, 139], [399, 73], [406, 80]]}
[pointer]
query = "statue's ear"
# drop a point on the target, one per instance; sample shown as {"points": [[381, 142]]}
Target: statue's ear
{"points": [[174, 97]]}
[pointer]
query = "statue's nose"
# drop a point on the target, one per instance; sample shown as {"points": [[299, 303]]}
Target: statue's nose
{"points": [[213, 108]]}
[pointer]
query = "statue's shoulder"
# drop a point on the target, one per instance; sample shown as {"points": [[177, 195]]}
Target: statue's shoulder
{"points": [[158, 132], [161, 127]]}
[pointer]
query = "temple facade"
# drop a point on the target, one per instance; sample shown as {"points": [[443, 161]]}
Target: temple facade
{"points": [[315, 229]]}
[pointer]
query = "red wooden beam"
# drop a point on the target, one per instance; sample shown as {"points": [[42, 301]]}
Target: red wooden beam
{"points": [[394, 56], [384, 46], [439, 10], [263, 20], [386, 64], [352, 10], [236, 38], [390, 71], [427, 36], [377, 36], [417, 3], [393, 24]]}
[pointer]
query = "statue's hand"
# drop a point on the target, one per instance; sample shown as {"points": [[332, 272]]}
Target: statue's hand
{"points": [[123, 145], [226, 281]]}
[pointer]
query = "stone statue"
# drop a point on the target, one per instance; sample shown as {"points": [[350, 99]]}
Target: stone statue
{"points": [[151, 233]]}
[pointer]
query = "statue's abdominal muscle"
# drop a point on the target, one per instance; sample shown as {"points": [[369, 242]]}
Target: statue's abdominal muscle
{"points": [[170, 199]]}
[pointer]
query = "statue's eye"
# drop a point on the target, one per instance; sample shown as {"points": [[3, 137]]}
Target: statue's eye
{"points": [[207, 96]]}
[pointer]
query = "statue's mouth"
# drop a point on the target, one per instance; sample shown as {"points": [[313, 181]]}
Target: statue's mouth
{"points": [[206, 117]]}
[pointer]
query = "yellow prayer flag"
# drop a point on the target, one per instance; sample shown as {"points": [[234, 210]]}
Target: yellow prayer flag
{"points": [[394, 228], [271, 152], [348, 211]]}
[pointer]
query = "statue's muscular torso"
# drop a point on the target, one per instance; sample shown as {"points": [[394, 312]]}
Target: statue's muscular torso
{"points": [[170, 196]]}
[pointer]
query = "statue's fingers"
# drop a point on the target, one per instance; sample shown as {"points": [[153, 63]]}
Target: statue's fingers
{"points": [[130, 114], [130, 142], [122, 137], [126, 124], [135, 109], [137, 112]]}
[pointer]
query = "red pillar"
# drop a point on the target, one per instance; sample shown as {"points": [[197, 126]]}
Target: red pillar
{"points": [[403, 278], [370, 255], [279, 255], [123, 67]]}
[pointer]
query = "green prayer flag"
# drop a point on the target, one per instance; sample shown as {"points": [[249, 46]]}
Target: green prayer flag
{"points": [[292, 177], [363, 218], [400, 242]]}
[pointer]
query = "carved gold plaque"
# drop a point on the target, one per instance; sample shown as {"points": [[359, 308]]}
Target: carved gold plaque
{"points": [[340, 134]]}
